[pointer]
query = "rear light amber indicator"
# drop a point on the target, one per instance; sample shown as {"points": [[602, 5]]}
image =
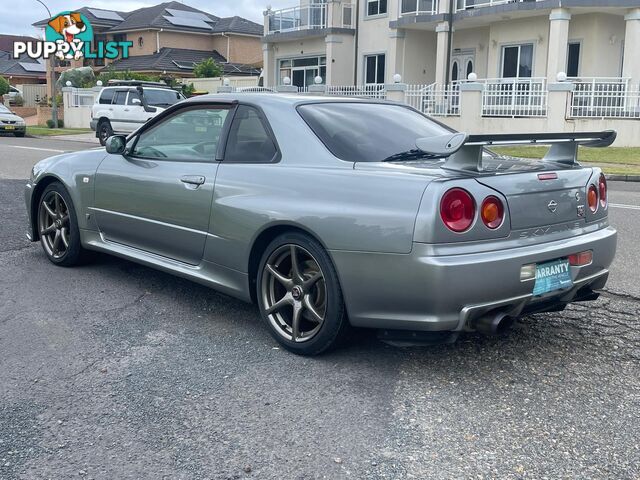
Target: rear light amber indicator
{"points": [[492, 212], [581, 259], [602, 189], [592, 198], [457, 209]]}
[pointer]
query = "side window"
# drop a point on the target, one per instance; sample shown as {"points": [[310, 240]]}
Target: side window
{"points": [[249, 141], [107, 96], [120, 97], [192, 134], [134, 98]]}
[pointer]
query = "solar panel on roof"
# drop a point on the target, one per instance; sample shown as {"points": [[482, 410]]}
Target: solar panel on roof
{"points": [[33, 67], [105, 14], [187, 22], [185, 14], [186, 66]]}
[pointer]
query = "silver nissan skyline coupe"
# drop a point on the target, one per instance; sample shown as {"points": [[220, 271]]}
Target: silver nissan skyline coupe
{"points": [[337, 212]]}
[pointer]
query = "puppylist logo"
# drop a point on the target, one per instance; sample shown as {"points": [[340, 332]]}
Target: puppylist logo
{"points": [[69, 36]]}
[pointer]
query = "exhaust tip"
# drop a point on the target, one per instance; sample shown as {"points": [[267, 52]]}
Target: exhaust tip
{"points": [[493, 323]]}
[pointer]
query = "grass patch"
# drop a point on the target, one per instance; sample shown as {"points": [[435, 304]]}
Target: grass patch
{"points": [[44, 131], [612, 160]]}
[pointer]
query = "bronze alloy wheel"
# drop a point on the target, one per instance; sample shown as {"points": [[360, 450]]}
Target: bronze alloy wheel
{"points": [[53, 225], [294, 293]]}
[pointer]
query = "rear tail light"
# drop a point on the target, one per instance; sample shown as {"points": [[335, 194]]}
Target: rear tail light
{"points": [[602, 188], [457, 209], [581, 259], [492, 212], [592, 198]]}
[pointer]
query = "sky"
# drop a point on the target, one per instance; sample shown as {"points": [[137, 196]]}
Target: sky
{"points": [[18, 20]]}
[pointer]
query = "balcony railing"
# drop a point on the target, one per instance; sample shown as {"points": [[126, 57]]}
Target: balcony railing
{"points": [[469, 4], [435, 100], [514, 97], [605, 98], [418, 7], [309, 17]]}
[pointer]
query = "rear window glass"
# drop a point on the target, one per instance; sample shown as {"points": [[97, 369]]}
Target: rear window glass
{"points": [[368, 132], [107, 96]]}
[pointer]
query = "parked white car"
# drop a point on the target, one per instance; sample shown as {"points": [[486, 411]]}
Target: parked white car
{"points": [[14, 93], [122, 107]]}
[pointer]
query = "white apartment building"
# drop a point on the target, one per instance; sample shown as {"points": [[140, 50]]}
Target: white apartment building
{"points": [[569, 65], [442, 41]]}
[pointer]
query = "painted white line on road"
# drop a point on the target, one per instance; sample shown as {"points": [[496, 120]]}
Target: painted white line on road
{"points": [[622, 205], [36, 148]]}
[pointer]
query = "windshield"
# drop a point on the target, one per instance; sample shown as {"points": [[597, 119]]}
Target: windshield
{"points": [[368, 132], [162, 98], [4, 109]]}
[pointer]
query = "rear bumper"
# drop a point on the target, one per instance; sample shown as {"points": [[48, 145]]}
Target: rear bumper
{"points": [[420, 291], [93, 124]]}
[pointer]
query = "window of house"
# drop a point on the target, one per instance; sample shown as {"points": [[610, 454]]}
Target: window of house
{"points": [[119, 37], [374, 68], [573, 60], [249, 141], [517, 60], [303, 71], [376, 7], [192, 134]]}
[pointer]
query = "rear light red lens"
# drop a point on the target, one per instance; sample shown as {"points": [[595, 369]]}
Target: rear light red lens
{"points": [[547, 176], [592, 198], [457, 209], [492, 212], [581, 259], [602, 188]]}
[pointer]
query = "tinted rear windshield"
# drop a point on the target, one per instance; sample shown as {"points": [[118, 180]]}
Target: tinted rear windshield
{"points": [[368, 132]]}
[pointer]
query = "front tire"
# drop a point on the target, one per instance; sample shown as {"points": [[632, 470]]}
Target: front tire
{"points": [[19, 134], [104, 131], [58, 227], [299, 295]]}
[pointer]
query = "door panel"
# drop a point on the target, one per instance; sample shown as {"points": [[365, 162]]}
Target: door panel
{"points": [[162, 205]]}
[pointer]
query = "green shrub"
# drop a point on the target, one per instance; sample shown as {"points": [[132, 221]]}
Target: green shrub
{"points": [[207, 68], [4, 86], [50, 123]]}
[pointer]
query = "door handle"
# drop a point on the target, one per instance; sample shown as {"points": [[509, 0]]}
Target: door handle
{"points": [[126, 109], [195, 180]]}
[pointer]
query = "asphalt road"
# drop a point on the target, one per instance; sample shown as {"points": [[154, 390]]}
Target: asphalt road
{"points": [[114, 370]]}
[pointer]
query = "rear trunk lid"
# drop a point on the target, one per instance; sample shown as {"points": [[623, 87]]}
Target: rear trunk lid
{"points": [[536, 202]]}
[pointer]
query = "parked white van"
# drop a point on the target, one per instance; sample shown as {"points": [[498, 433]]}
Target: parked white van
{"points": [[123, 106]]}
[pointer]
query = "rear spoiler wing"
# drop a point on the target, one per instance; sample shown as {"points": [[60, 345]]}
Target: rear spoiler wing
{"points": [[466, 151]]}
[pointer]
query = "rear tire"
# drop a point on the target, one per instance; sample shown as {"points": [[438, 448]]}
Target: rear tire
{"points": [[299, 295], [104, 131], [58, 227]]}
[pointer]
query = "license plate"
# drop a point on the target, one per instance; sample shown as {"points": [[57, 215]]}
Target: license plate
{"points": [[551, 276], [9, 127]]}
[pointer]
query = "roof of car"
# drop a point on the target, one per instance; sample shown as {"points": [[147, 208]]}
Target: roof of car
{"points": [[267, 98]]}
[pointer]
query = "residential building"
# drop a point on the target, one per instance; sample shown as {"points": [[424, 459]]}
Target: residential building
{"points": [[443, 41], [170, 37]]}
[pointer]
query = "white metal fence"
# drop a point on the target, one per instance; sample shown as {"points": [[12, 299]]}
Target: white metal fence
{"points": [[605, 98], [367, 91], [514, 97], [435, 100]]}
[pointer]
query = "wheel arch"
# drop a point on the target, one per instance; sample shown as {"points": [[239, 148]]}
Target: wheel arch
{"points": [[263, 239], [39, 188]]}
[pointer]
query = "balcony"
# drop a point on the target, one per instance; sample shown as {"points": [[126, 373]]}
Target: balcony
{"points": [[418, 7], [311, 17], [462, 5]]}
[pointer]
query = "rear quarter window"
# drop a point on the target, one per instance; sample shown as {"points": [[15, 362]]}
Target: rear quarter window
{"points": [[106, 97]]}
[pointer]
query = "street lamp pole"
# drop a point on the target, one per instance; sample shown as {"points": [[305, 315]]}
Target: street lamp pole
{"points": [[54, 102]]}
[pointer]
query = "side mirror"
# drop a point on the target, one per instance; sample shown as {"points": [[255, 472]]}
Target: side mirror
{"points": [[136, 101], [116, 144]]}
